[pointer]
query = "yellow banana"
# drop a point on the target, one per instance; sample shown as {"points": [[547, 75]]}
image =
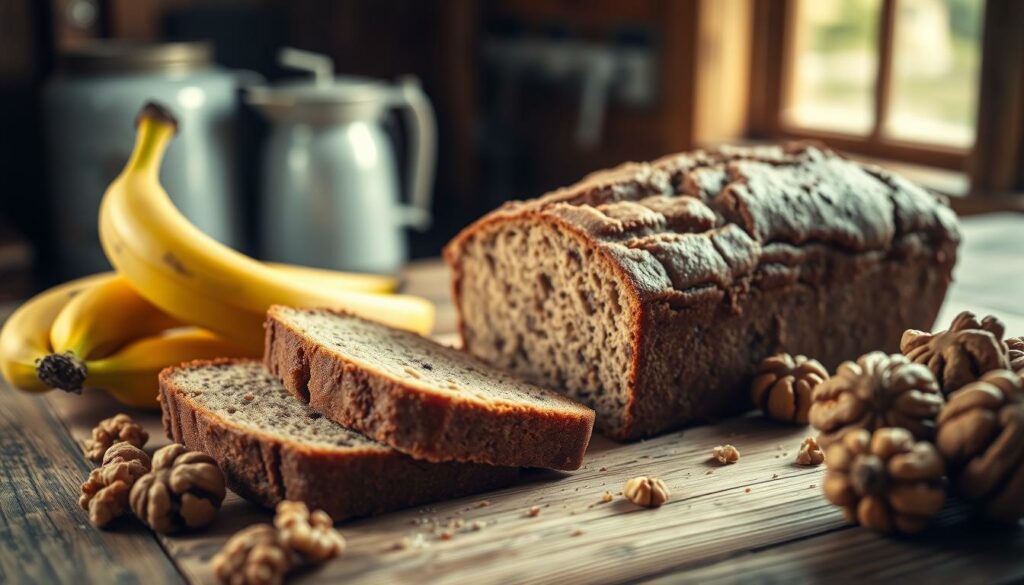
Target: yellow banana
{"points": [[354, 281], [130, 375], [196, 279], [103, 318], [25, 336]]}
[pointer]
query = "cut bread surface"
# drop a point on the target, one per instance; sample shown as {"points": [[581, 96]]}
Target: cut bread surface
{"points": [[273, 447], [546, 309], [427, 400], [246, 395]]}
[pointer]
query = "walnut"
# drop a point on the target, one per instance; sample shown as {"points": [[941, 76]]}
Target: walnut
{"points": [[253, 556], [962, 353], [810, 453], [885, 480], [127, 453], [1015, 355], [118, 428], [105, 493], [184, 490], [649, 492], [783, 384], [725, 454], [311, 535], [980, 433], [876, 391]]}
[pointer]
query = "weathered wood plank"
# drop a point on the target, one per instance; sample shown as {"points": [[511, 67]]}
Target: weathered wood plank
{"points": [[955, 549], [44, 536]]}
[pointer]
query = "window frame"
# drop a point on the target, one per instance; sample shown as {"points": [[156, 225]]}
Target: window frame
{"points": [[771, 72]]}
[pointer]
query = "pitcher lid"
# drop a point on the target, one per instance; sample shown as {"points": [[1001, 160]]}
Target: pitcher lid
{"points": [[344, 98], [342, 90]]}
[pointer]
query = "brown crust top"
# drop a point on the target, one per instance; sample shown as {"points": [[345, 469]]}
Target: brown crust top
{"points": [[425, 423], [700, 222], [344, 481]]}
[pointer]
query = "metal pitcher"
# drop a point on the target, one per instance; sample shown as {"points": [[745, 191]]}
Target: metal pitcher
{"points": [[331, 188]]}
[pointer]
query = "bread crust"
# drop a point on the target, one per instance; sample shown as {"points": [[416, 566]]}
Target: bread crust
{"points": [[862, 270], [430, 425], [344, 482]]}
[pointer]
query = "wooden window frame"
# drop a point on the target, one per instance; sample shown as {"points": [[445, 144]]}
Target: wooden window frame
{"points": [[771, 73]]}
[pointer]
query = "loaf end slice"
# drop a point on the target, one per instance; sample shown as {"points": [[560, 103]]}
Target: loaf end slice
{"points": [[427, 400], [273, 448]]}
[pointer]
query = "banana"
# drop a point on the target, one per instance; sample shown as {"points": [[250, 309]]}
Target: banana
{"points": [[354, 281], [103, 318], [196, 279], [130, 375], [25, 336], [27, 360]]}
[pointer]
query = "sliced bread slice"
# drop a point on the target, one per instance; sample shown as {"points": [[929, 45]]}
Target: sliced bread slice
{"points": [[273, 447], [425, 399]]}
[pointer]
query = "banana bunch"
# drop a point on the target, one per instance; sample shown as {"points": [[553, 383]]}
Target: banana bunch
{"points": [[97, 332], [194, 278], [177, 295]]}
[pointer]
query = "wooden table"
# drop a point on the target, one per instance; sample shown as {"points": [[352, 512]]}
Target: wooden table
{"points": [[763, 519]]}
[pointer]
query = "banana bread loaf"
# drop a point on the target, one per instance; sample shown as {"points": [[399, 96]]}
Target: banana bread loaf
{"points": [[427, 400], [651, 291], [272, 447]]}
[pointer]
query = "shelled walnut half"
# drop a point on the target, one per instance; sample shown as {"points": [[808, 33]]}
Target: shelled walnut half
{"points": [[310, 534], [183, 491], [119, 428], [810, 453], [253, 556], [981, 437], [649, 492], [960, 354], [885, 480], [264, 554], [877, 390], [105, 494], [783, 384]]}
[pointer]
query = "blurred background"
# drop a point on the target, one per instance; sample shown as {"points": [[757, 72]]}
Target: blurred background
{"points": [[391, 124]]}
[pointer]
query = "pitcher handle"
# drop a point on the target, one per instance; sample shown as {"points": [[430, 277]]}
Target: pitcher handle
{"points": [[422, 133]]}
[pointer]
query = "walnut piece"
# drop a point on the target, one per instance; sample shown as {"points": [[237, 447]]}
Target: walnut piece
{"points": [[127, 453], [105, 493], [253, 556], [885, 480], [961, 354], [725, 454], [1015, 354], [184, 490], [877, 390], [810, 453], [311, 535], [116, 429], [783, 384], [649, 492], [980, 434]]}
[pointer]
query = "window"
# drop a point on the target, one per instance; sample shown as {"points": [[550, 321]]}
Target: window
{"points": [[889, 78]]}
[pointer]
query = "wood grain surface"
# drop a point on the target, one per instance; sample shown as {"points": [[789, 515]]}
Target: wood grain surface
{"points": [[762, 519], [44, 536]]}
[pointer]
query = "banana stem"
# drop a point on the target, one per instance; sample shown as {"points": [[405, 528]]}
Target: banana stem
{"points": [[156, 128], [62, 370]]}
